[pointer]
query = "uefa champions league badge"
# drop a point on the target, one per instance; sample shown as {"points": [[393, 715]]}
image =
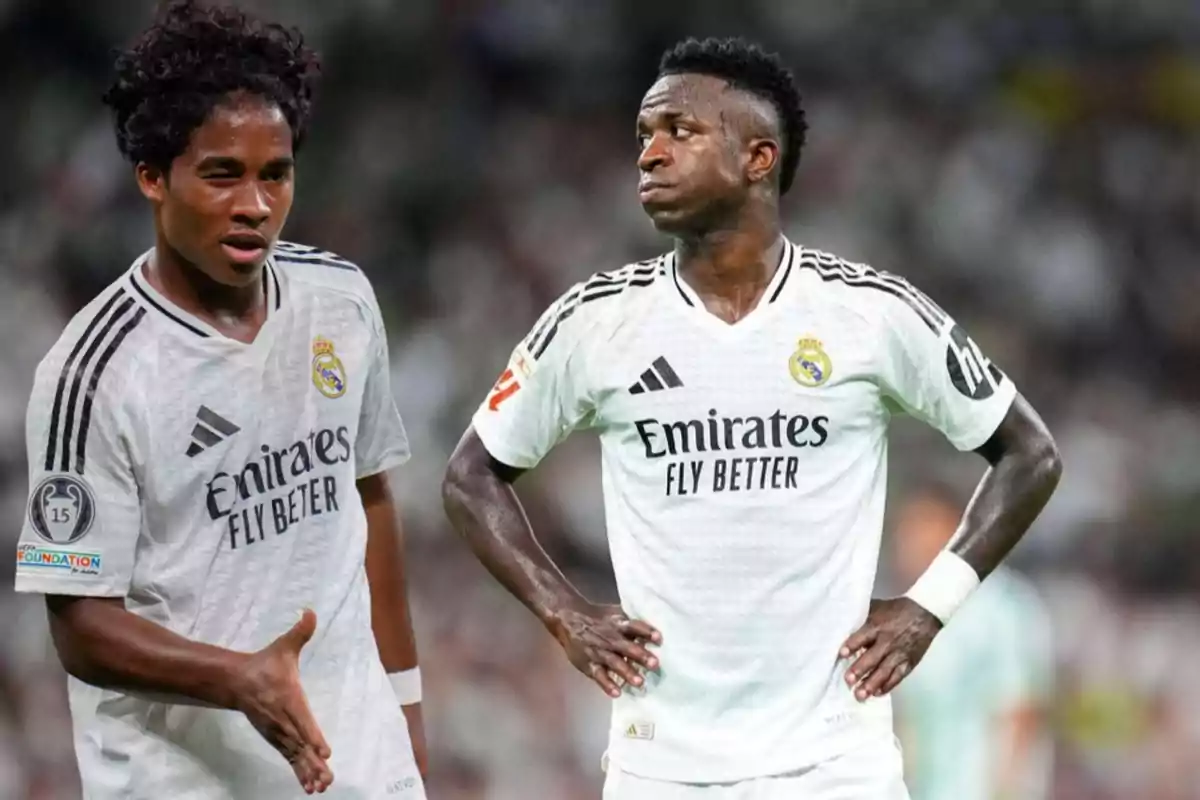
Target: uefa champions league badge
{"points": [[810, 364], [328, 374], [62, 509]]}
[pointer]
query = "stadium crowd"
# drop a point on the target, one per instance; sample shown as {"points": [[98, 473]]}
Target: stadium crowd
{"points": [[1033, 167]]}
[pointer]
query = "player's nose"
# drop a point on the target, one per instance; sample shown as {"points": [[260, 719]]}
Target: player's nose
{"points": [[654, 155], [251, 205]]}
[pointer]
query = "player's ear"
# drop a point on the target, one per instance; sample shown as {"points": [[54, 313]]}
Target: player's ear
{"points": [[152, 181], [763, 157]]}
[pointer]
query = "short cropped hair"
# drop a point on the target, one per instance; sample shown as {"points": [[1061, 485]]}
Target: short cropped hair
{"points": [[750, 68], [190, 59]]}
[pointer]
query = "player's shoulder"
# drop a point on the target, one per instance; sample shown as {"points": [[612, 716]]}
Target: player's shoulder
{"points": [[863, 289], [615, 288], [604, 297], [106, 336], [323, 273]]}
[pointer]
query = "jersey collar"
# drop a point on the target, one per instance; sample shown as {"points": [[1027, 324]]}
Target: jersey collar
{"points": [[783, 271], [190, 322]]}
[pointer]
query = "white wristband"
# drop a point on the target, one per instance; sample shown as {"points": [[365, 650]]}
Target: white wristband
{"points": [[407, 685], [944, 586]]}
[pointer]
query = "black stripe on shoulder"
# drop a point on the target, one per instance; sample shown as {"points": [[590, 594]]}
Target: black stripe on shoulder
{"points": [[567, 302], [934, 309], [159, 307], [86, 417], [543, 325], [295, 249], [916, 295], [920, 301], [623, 274], [324, 260], [77, 380], [599, 286], [593, 292], [293, 253], [307, 254], [541, 348], [65, 373], [829, 268]]}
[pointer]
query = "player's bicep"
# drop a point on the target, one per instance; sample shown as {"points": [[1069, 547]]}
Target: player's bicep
{"points": [[934, 370], [83, 513]]}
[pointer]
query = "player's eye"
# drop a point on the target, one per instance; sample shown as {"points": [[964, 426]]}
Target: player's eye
{"points": [[643, 140], [680, 132]]}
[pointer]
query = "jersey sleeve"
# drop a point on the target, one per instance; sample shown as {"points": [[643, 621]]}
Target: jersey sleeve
{"points": [[933, 370], [382, 441], [542, 394], [83, 516]]}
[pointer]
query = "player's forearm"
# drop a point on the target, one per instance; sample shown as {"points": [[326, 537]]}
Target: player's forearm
{"points": [[486, 511], [391, 620], [1026, 467], [102, 644]]}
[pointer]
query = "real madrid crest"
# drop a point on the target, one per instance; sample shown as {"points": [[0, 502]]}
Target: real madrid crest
{"points": [[328, 374], [810, 364]]}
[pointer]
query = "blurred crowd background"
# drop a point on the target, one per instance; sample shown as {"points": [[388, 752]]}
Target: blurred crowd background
{"points": [[1033, 166]]}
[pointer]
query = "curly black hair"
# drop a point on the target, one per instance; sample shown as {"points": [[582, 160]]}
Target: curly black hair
{"points": [[750, 68], [189, 60]]}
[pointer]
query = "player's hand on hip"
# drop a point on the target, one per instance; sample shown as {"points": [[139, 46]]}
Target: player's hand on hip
{"points": [[888, 646], [268, 691], [606, 645]]}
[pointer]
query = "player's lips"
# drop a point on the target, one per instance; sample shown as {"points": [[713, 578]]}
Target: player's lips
{"points": [[245, 248], [649, 188]]}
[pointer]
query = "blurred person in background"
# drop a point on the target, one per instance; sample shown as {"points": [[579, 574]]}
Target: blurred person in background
{"points": [[973, 717], [742, 387], [207, 449]]}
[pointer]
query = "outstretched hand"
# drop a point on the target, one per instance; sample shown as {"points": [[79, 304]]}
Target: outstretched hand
{"points": [[268, 691], [888, 646], [606, 645]]}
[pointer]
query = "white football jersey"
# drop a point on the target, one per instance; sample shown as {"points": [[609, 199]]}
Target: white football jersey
{"points": [[211, 484], [744, 475]]}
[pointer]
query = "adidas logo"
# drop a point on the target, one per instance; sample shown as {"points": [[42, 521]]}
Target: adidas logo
{"points": [[211, 428], [658, 376], [640, 730]]}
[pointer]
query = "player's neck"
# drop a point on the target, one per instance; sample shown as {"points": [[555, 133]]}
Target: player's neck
{"points": [[236, 310], [730, 269]]}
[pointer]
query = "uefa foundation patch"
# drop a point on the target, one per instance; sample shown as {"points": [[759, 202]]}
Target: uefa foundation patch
{"points": [[57, 560]]}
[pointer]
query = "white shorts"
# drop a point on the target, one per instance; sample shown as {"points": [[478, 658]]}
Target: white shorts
{"points": [[873, 772]]}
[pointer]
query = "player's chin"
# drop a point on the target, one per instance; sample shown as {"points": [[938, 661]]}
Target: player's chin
{"points": [[667, 217], [229, 272]]}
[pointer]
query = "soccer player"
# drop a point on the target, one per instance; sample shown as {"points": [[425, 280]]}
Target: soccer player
{"points": [[741, 386], [209, 513], [972, 719]]}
